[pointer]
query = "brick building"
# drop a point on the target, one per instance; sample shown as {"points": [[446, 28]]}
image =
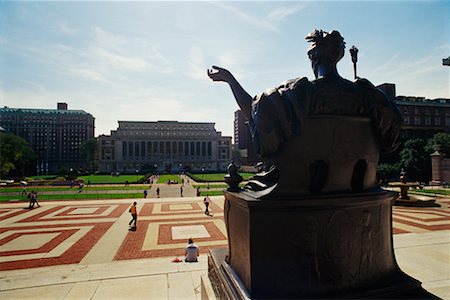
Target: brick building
{"points": [[55, 135], [421, 117], [243, 141]]}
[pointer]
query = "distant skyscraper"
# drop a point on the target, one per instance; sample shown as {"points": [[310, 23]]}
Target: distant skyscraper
{"points": [[55, 135], [243, 140]]}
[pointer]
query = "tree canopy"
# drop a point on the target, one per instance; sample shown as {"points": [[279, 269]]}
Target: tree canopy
{"points": [[89, 150], [441, 139], [15, 155]]}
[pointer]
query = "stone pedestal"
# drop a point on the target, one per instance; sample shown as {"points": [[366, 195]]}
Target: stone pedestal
{"points": [[311, 247]]}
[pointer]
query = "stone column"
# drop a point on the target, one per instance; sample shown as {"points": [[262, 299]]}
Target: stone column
{"points": [[436, 166]]}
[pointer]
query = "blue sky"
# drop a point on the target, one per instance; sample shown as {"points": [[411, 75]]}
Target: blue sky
{"points": [[147, 61]]}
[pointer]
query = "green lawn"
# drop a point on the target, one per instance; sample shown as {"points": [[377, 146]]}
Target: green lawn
{"points": [[76, 196], [108, 179], [211, 193], [216, 177], [431, 192], [65, 188], [165, 177]]}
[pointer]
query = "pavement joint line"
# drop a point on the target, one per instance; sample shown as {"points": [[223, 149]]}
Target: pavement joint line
{"points": [[421, 245], [167, 273]]}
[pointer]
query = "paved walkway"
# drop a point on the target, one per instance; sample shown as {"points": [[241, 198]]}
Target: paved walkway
{"points": [[83, 249]]}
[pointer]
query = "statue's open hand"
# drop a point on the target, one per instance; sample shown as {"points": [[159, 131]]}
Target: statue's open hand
{"points": [[219, 74]]}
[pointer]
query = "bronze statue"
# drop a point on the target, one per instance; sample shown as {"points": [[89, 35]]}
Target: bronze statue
{"points": [[306, 130], [313, 223]]}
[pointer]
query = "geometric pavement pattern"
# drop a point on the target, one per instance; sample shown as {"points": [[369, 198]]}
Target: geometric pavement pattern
{"points": [[65, 232], [417, 219]]}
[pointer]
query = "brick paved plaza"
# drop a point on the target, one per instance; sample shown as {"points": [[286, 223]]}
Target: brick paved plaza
{"points": [[83, 249]]}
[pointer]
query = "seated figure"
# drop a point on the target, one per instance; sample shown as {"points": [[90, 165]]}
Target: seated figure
{"points": [[320, 136]]}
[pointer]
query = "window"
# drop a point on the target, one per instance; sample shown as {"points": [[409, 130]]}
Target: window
{"points": [[149, 148], [192, 148], [130, 149], [203, 148], [161, 148], [136, 148], [142, 148], [197, 148], [427, 120], [155, 148], [186, 148], [437, 121], [416, 120], [168, 148]]}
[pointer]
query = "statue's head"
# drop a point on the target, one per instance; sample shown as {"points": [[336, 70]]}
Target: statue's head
{"points": [[326, 48]]}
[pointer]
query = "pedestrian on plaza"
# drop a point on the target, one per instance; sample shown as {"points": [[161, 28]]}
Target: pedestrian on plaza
{"points": [[133, 211], [33, 199], [145, 193], [191, 252], [157, 192], [206, 201], [181, 191], [198, 192]]}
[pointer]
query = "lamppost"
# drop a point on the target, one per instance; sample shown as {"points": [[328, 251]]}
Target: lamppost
{"points": [[137, 176], [354, 54], [203, 171]]}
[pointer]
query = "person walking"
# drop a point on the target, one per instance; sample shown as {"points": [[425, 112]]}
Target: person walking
{"points": [[133, 211], [157, 192], [206, 201], [33, 199], [145, 193], [181, 191], [191, 252]]}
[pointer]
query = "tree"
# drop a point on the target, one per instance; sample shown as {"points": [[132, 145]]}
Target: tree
{"points": [[386, 172], [89, 149], [443, 140], [15, 155], [416, 160]]}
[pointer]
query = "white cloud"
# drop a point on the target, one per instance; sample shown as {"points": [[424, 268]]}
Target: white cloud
{"points": [[118, 61], [256, 21], [87, 74], [197, 66], [66, 29], [282, 12], [107, 39]]}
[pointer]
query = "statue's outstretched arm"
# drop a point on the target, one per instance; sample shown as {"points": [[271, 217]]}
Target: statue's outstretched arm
{"points": [[243, 99]]}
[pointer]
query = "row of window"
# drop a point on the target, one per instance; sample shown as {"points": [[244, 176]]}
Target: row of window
{"points": [[166, 127], [155, 148], [165, 133], [427, 111], [407, 120]]}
